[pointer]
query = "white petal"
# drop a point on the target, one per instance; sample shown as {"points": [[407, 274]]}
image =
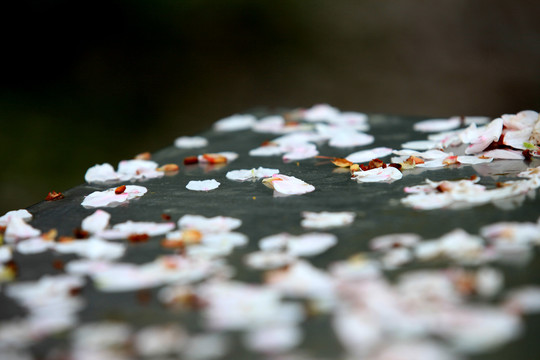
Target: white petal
{"points": [[504, 154], [209, 225], [388, 174], [420, 145], [190, 142], [350, 138], [288, 185], [311, 244], [235, 123], [202, 185], [326, 219], [268, 260], [101, 173], [368, 155], [110, 198], [22, 214], [96, 222], [17, 229], [437, 125]]}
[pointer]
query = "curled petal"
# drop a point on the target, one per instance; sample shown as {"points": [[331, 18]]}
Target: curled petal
{"points": [[288, 185]]}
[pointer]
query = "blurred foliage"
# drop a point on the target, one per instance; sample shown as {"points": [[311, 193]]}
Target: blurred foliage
{"points": [[88, 83]]}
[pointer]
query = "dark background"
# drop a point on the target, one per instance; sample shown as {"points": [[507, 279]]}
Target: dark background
{"points": [[92, 82]]}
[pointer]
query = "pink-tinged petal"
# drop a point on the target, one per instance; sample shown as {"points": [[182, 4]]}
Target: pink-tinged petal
{"points": [[504, 154], [101, 173], [139, 169], [253, 174], [17, 229], [483, 137], [96, 222], [268, 260], [388, 174], [437, 125], [274, 339], [209, 225], [359, 333], [368, 155], [420, 145], [22, 214], [110, 198], [202, 185], [522, 120], [288, 185], [235, 123], [300, 152], [348, 138], [321, 112], [190, 142], [325, 219]]}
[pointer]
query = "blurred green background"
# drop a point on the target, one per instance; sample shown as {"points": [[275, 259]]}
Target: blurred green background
{"points": [[92, 82]]}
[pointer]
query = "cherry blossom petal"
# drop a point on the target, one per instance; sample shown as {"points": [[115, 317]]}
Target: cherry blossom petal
{"points": [[22, 214], [418, 350], [101, 173], [234, 305], [301, 279], [437, 125], [124, 230], [160, 340], [209, 225], [325, 219], [235, 123], [320, 112], [288, 185], [268, 150], [355, 120], [420, 145], [275, 242], [229, 155], [426, 155], [484, 136], [311, 244], [17, 229], [300, 152], [524, 300], [253, 174], [92, 248], [34, 246], [273, 339], [96, 222], [472, 160], [139, 169], [387, 242], [517, 138], [368, 155], [110, 198], [268, 260], [202, 185], [504, 154], [5, 254], [388, 174], [348, 138], [522, 120], [190, 142]]}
